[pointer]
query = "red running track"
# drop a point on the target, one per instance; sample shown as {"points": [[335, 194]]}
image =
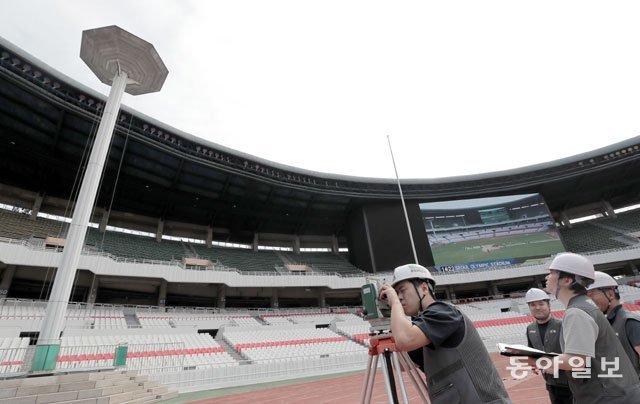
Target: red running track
{"points": [[347, 389]]}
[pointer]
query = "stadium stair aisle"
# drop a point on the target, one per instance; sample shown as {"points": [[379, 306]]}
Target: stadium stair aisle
{"points": [[260, 320], [132, 321], [84, 387], [232, 352]]}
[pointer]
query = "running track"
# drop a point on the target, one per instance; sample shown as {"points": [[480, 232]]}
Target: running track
{"points": [[346, 389]]}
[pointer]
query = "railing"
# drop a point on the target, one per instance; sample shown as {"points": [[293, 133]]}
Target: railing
{"points": [[142, 357], [174, 358], [152, 327], [237, 373], [156, 357], [72, 305], [178, 309], [14, 360], [86, 356]]}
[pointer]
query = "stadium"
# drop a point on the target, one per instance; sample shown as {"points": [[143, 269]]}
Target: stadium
{"points": [[217, 269]]}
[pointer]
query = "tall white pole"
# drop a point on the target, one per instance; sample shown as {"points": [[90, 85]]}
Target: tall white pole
{"points": [[404, 207], [61, 291], [126, 63]]}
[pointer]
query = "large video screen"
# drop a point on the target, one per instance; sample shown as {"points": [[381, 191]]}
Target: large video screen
{"points": [[492, 232]]}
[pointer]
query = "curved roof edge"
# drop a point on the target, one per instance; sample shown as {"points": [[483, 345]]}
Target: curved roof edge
{"points": [[407, 181]]}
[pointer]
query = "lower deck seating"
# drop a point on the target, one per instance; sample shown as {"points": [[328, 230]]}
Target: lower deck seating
{"points": [[629, 294], [12, 354], [308, 318], [152, 353], [101, 317], [289, 343], [276, 337], [358, 332], [177, 319]]}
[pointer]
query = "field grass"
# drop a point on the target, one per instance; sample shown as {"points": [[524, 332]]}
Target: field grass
{"points": [[520, 245]]}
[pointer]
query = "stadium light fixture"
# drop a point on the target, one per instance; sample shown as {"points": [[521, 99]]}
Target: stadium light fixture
{"points": [[126, 63], [627, 208]]}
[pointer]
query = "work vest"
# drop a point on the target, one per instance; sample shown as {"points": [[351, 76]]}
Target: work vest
{"points": [[619, 326], [551, 344], [596, 389], [464, 374]]}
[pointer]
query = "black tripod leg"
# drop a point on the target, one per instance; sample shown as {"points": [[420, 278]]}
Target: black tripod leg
{"points": [[392, 382]]}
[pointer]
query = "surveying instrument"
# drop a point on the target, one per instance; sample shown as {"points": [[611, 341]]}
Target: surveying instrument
{"points": [[383, 348]]}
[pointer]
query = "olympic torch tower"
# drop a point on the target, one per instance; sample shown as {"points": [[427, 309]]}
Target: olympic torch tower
{"points": [[126, 63]]}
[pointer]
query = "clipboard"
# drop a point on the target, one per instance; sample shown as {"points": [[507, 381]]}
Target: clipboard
{"points": [[523, 350]]}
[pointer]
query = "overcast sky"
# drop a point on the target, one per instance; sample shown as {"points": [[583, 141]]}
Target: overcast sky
{"points": [[462, 87]]}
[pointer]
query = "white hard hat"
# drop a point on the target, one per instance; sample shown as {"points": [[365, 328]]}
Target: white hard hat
{"points": [[603, 281], [573, 264], [411, 271], [535, 294]]}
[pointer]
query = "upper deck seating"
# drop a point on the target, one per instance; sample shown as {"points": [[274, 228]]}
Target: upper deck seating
{"points": [[241, 259], [587, 237], [134, 246], [126, 245], [21, 226], [324, 262], [627, 221]]}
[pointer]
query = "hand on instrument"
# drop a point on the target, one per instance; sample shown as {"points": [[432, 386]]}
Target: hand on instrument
{"points": [[387, 294]]}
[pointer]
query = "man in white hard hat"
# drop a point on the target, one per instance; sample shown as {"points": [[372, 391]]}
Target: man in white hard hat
{"points": [[600, 371], [604, 293], [456, 362], [544, 334]]}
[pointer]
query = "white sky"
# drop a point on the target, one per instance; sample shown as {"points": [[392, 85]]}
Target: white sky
{"points": [[462, 87]]}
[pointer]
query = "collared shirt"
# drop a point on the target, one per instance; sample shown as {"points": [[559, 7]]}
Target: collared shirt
{"points": [[632, 328]]}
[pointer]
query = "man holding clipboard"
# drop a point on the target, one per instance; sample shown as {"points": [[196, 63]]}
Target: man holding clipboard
{"points": [[544, 334]]}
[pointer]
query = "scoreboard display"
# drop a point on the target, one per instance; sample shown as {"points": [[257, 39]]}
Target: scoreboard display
{"points": [[491, 232]]}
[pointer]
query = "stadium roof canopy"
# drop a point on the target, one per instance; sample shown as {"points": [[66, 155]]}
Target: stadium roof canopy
{"points": [[154, 170]]}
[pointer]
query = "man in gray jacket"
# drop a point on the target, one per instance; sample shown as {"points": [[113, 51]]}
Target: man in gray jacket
{"points": [[544, 334], [600, 371], [604, 293]]}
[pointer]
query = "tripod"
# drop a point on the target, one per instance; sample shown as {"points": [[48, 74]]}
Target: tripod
{"points": [[383, 345]]}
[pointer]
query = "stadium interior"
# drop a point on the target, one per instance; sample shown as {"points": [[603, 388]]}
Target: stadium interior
{"points": [[217, 269]]}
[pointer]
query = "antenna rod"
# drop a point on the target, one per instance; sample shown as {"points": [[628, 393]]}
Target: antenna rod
{"points": [[404, 207]]}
